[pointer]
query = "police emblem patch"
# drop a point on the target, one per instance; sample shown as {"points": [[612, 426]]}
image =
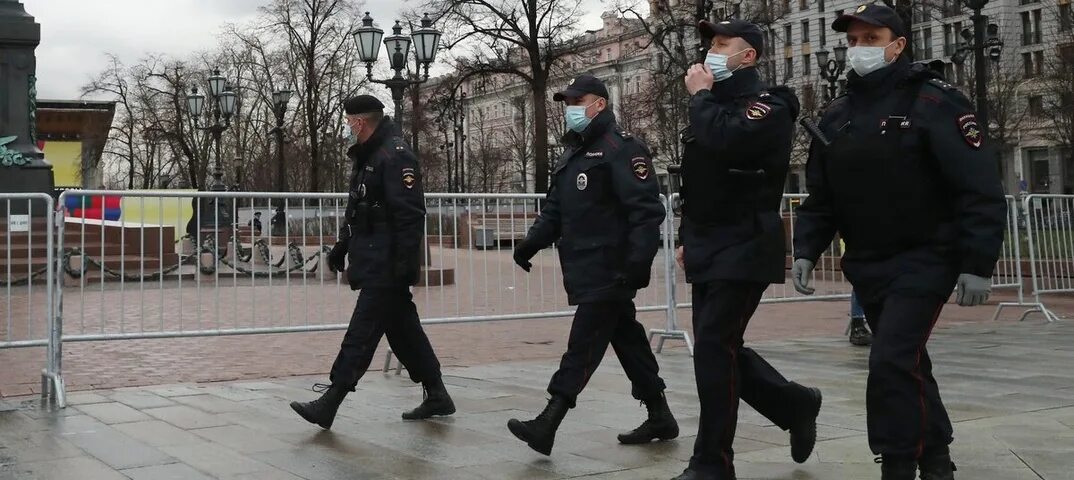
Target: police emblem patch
{"points": [[640, 168], [757, 111], [409, 178], [971, 131], [582, 182]]}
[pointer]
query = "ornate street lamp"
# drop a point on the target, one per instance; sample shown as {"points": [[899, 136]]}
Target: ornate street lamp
{"points": [[831, 70], [426, 41], [221, 107]]}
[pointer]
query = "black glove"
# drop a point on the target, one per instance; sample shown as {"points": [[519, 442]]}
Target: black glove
{"points": [[524, 251], [635, 275], [337, 258]]}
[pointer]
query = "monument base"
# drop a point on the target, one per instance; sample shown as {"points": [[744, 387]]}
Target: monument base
{"points": [[25, 180]]}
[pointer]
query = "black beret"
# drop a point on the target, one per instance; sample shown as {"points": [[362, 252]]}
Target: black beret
{"points": [[362, 104], [878, 15], [580, 86]]}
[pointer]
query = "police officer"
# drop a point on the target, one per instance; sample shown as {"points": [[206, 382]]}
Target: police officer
{"points": [[603, 210], [902, 172], [382, 239], [736, 153]]}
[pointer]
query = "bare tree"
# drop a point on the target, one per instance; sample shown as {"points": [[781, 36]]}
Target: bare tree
{"points": [[1058, 85], [521, 38]]}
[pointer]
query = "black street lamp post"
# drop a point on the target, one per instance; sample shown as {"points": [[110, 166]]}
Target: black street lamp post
{"points": [[832, 69], [984, 36], [279, 108], [426, 40], [223, 105]]}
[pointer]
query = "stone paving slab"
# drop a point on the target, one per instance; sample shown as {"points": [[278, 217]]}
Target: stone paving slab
{"points": [[1010, 389]]}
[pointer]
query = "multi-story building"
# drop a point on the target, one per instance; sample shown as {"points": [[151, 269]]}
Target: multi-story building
{"points": [[498, 108], [1033, 32]]}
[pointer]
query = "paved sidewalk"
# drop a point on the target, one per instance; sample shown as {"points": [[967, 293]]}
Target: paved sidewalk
{"points": [[1010, 389]]}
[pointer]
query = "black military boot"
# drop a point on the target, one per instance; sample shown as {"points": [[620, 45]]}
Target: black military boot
{"points": [[660, 425], [897, 468], [859, 333], [323, 410], [804, 433], [935, 464], [540, 432], [436, 401]]}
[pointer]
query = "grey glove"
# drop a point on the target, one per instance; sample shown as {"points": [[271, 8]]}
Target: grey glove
{"points": [[802, 274], [973, 290]]}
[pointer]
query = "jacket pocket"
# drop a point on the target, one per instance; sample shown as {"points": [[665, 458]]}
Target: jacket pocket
{"points": [[587, 265], [369, 258]]}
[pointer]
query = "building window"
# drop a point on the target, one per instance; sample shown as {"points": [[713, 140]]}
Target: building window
{"points": [[820, 7], [951, 8], [823, 32], [949, 42], [1031, 31], [1032, 63], [1036, 105], [926, 43], [787, 32], [1028, 2], [1064, 17], [786, 6], [803, 5], [805, 31], [807, 66], [788, 68]]}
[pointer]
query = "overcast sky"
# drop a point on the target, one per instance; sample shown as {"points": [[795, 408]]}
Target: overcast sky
{"points": [[76, 34]]}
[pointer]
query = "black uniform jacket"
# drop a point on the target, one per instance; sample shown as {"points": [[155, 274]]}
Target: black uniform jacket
{"points": [[908, 181], [603, 210], [736, 153], [386, 212]]}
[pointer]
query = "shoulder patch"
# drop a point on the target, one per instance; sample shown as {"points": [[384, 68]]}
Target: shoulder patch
{"points": [[625, 135], [970, 130], [640, 167], [410, 178], [757, 111]]}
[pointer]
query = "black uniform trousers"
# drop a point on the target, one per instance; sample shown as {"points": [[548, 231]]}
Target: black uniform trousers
{"points": [[384, 312], [726, 371], [595, 326], [905, 413]]}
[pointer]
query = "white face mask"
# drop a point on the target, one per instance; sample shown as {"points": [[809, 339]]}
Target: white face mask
{"points": [[866, 60]]}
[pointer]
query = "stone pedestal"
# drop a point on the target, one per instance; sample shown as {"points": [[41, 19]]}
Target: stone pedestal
{"points": [[22, 165]]}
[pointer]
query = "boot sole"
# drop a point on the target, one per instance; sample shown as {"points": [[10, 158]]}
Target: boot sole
{"points": [[302, 413], [519, 431], [441, 413], [663, 437]]}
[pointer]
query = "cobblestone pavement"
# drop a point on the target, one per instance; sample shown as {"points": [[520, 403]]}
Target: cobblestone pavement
{"points": [[1009, 387]]}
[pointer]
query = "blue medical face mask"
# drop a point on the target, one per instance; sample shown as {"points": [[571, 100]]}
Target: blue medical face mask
{"points": [[717, 62], [577, 120]]}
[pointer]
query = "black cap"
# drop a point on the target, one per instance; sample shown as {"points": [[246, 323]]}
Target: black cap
{"points": [[582, 85], [362, 104], [879, 15], [733, 28]]}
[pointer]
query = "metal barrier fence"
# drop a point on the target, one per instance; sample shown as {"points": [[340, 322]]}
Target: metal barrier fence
{"points": [[190, 264], [1050, 242], [27, 280]]}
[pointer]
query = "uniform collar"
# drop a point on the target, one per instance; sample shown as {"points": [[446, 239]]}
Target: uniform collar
{"points": [[880, 82], [745, 81], [601, 124], [384, 131]]}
